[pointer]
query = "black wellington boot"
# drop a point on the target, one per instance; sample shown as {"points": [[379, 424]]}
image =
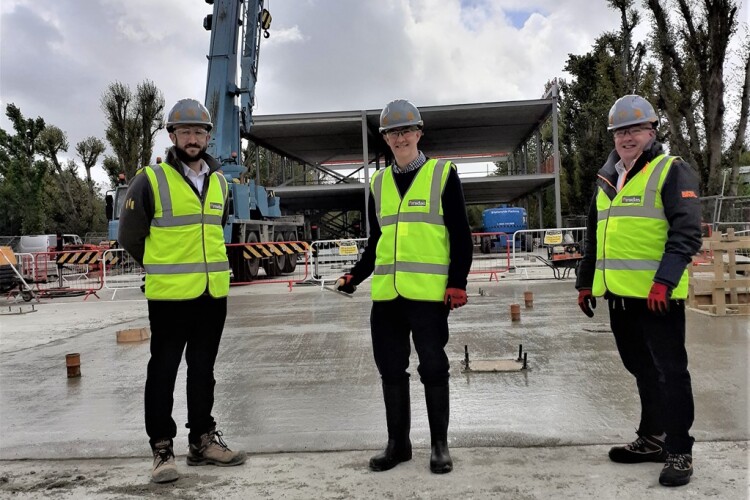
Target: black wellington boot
{"points": [[438, 411], [398, 418]]}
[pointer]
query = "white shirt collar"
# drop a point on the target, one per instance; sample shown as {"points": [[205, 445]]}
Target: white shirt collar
{"points": [[189, 172]]}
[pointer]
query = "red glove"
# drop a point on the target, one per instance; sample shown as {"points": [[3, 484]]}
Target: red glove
{"points": [[455, 298], [345, 285], [658, 299], [586, 302]]}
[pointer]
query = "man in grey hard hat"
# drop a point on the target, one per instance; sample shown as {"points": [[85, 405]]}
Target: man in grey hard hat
{"points": [[420, 252], [172, 223], [646, 208]]}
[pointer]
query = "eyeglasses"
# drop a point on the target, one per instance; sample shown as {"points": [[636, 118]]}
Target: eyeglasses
{"points": [[187, 132], [398, 132], [632, 131]]}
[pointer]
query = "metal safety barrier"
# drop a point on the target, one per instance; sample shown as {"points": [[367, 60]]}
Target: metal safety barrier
{"points": [[559, 249], [120, 271], [66, 273], [332, 258], [493, 256]]}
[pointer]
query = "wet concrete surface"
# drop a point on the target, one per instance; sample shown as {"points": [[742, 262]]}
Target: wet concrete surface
{"points": [[295, 373]]}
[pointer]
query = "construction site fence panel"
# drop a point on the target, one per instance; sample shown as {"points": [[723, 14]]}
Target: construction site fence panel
{"points": [[65, 273], [269, 262], [332, 258], [491, 255], [121, 271], [552, 247]]}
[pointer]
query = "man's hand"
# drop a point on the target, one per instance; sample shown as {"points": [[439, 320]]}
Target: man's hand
{"points": [[344, 284], [455, 298], [658, 299], [586, 302]]}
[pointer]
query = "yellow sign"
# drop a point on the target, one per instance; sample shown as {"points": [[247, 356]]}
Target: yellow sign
{"points": [[553, 237], [348, 249]]}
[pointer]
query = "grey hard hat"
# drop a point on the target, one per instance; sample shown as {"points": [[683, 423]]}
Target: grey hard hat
{"points": [[188, 112], [631, 110], [399, 113]]}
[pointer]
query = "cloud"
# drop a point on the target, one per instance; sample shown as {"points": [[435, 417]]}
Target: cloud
{"points": [[58, 57]]}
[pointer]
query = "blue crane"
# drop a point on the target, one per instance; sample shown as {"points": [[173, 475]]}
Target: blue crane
{"points": [[255, 214]]}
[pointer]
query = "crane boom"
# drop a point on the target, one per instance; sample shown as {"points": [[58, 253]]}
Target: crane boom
{"points": [[233, 21]]}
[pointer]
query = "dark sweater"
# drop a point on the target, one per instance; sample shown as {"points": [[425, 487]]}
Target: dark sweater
{"points": [[682, 209]]}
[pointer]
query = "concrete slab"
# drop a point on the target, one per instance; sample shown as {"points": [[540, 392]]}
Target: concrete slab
{"points": [[562, 472], [295, 374]]}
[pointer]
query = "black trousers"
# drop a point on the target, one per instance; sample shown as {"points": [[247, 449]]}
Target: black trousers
{"points": [[195, 327], [652, 348], [392, 321]]}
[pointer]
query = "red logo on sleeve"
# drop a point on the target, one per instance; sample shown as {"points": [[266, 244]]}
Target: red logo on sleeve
{"points": [[689, 194]]}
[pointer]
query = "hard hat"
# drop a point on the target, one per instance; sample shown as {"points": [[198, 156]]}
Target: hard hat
{"points": [[189, 112], [399, 113], [631, 110]]}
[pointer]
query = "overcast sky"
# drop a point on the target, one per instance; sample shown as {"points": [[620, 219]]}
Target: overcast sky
{"points": [[57, 57]]}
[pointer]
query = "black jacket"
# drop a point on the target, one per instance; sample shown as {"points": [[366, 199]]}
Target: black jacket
{"points": [[138, 211], [456, 222], [682, 209]]}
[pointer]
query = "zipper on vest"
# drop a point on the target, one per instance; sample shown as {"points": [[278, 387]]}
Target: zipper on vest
{"points": [[604, 246], [202, 198]]}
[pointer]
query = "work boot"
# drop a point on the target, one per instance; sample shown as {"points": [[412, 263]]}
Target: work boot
{"points": [[677, 470], [165, 469], [438, 411], [212, 450], [398, 419], [644, 449]]}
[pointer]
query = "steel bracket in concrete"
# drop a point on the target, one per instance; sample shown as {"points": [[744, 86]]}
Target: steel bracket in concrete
{"points": [[494, 365], [21, 310]]}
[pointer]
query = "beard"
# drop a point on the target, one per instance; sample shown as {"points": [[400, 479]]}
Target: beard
{"points": [[186, 157]]}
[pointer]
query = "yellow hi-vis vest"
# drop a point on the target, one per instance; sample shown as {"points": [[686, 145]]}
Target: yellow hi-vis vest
{"points": [[631, 233], [413, 252], [185, 253]]}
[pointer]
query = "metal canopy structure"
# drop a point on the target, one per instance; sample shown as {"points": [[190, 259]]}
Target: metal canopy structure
{"points": [[477, 190], [461, 132], [455, 131]]}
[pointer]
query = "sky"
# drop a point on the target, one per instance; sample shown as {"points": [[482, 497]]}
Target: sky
{"points": [[57, 57]]}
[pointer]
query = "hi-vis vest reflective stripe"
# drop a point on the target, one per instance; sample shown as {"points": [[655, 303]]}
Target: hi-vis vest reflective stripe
{"points": [[413, 251], [631, 232], [185, 253]]}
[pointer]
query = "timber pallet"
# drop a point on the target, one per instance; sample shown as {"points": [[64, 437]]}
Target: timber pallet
{"points": [[721, 285]]}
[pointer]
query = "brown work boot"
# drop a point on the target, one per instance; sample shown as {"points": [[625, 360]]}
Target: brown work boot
{"points": [[212, 450], [165, 469]]}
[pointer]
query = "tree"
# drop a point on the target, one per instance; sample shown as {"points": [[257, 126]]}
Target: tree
{"points": [[615, 67], [133, 122], [39, 192], [22, 175], [51, 142], [89, 150], [691, 52]]}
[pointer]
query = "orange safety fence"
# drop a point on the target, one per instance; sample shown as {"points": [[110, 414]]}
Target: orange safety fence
{"points": [[67, 273]]}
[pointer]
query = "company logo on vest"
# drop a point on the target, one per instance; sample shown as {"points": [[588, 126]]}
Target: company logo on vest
{"points": [[631, 199]]}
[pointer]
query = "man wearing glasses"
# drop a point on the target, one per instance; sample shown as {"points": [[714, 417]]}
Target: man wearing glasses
{"points": [[420, 252], [646, 208], [173, 225]]}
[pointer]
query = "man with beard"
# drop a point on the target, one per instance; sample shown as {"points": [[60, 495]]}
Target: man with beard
{"points": [[172, 224]]}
